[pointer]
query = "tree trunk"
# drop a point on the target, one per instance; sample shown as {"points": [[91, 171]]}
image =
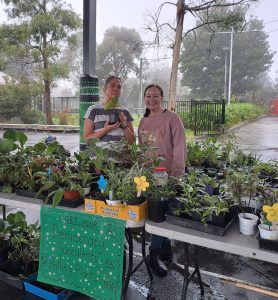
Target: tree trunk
{"points": [[176, 55], [47, 103]]}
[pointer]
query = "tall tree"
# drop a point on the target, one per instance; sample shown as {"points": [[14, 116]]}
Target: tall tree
{"points": [[40, 29], [118, 53], [203, 61], [206, 12]]}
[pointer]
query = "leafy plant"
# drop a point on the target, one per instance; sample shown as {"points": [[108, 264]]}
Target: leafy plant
{"points": [[57, 183], [161, 193], [25, 239]]}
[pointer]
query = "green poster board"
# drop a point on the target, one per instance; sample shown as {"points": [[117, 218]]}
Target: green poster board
{"points": [[82, 252]]}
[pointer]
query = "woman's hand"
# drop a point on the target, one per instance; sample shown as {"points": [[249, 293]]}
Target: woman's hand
{"points": [[123, 120], [111, 127]]}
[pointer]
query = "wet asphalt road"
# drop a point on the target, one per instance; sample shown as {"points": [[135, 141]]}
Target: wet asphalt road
{"points": [[221, 272], [260, 137]]}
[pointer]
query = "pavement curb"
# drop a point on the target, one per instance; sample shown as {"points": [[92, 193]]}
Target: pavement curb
{"points": [[40, 127], [237, 126]]}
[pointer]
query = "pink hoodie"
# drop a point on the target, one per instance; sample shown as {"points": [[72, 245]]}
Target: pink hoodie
{"points": [[166, 132]]}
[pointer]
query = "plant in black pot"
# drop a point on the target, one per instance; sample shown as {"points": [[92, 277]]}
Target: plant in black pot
{"points": [[4, 241], [243, 185], [216, 209], [191, 189], [25, 241], [158, 200]]}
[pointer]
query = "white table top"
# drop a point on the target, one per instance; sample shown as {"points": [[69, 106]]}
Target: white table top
{"points": [[27, 203], [232, 242], [35, 205]]}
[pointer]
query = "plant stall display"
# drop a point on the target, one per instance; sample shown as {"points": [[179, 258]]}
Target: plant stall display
{"points": [[203, 204]]}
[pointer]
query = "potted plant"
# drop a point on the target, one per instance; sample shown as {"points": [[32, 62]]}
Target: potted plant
{"points": [[242, 183], [61, 184], [268, 171], [25, 241], [158, 199], [269, 229], [85, 179], [4, 241]]}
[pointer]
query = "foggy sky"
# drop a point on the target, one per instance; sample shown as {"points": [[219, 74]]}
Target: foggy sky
{"points": [[131, 14]]}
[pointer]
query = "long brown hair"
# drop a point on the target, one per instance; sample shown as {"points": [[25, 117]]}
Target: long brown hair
{"points": [[147, 111], [110, 78]]}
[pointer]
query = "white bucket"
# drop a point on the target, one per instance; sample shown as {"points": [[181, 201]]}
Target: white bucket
{"points": [[256, 204], [248, 223], [267, 233], [113, 202], [133, 224], [87, 190]]}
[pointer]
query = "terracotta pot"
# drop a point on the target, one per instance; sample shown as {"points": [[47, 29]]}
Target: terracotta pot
{"points": [[71, 195]]}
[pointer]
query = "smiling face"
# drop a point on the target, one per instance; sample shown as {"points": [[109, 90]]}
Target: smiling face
{"points": [[153, 98], [112, 88]]}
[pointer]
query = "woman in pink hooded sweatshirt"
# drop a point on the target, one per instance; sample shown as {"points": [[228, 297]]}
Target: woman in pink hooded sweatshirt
{"points": [[163, 130]]}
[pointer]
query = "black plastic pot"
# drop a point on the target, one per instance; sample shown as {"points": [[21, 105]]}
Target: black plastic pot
{"points": [[175, 205], [113, 118], [4, 249], [157, 210], [136, 200], [15, 266], [219, 220], [195, 216]]}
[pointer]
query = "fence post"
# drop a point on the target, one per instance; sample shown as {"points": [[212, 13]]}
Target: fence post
{"points": [[223, 114]]}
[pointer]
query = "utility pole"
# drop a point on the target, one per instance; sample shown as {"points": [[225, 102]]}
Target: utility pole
{"points": [[140, 102], [225, 73], [230, 69]]}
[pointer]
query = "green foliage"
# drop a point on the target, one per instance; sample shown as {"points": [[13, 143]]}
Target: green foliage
{"points": [[66, 118], [25, 239], [112, 104], [118, 52], [37, 35], [203, 60], [17, 100], [240, 112]]}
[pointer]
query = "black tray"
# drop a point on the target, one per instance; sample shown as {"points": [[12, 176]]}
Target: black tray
{"points": [[67, 203], [198, 225], [29, 194], [268, 244]]}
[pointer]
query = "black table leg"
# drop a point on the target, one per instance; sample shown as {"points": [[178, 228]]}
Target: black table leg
{"points": [[130, 270], [186, 272], [197, 270], [188, 277], [145, 259], [130, 262]]}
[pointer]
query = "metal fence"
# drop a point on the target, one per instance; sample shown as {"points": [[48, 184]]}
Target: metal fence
{"points": [[203, 117]]}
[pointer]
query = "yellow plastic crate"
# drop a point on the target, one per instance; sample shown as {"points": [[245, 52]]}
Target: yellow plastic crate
{"points": [[134, 213]]}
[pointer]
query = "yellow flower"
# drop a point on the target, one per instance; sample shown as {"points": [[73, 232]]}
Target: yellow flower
{"points": [[272, 212], [142, 183]]}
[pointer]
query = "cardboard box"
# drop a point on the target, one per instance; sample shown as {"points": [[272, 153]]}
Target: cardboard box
{"points": [[134, 213]]}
